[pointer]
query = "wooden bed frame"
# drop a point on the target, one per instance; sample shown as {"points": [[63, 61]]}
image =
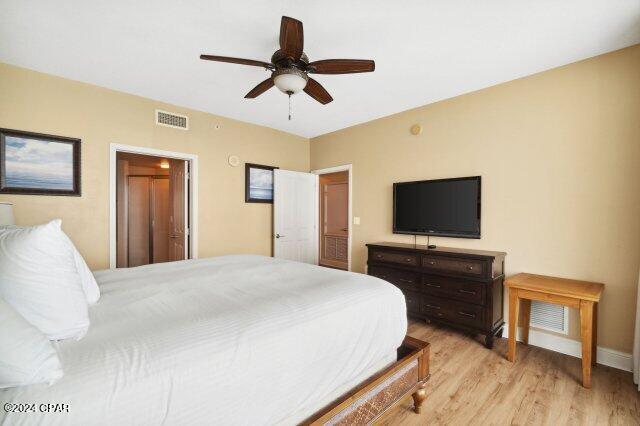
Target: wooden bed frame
{"points": [[384, 391]]}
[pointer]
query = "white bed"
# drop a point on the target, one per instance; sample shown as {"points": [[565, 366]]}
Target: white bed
{"points": [[227, 340]]}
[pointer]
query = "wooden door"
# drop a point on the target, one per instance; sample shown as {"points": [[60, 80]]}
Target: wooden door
{"points": [[336, 209], [295, 216], [122, 233], [160, 219], [139, 221], [178, 218], [335, 224]]}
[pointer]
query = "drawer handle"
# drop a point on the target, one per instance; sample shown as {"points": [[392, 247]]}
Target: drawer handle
{"points": [[406, 281], [409, 259], [379, 256], [432, 285], [466, 314], [470, 268], [467, 291], [432, 306], [431, 262]]}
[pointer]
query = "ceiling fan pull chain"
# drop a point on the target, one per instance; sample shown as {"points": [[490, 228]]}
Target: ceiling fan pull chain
{"points": [[289, 106]]}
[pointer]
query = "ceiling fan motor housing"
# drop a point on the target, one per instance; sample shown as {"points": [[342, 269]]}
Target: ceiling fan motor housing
{"points": [[282, 60]]}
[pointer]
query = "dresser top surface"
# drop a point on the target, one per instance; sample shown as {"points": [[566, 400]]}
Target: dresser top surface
{"points": [[438, 250]]}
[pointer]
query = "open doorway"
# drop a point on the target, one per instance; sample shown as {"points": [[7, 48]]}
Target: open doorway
{"points": [[334, 215], [152, 201]]}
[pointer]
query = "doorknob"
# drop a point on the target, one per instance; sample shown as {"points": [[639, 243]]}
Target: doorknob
{"points": [[279, 236]]}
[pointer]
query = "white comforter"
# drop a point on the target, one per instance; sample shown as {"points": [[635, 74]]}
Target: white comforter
{"points": [[227, 340]]}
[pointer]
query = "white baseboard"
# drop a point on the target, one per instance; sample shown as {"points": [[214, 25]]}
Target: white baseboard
{"points": [[606, 356]]}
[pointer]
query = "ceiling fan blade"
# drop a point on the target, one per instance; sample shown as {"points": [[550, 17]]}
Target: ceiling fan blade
{"points": [[341, 66], [291, 37], [260, 89], [237, 61], [317, 92]]}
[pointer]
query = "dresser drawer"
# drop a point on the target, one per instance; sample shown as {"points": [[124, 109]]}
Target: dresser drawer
{"points": [[458, 289], [403, 279], [453, 266], [413, 300], [395, 257], [456, 312]]}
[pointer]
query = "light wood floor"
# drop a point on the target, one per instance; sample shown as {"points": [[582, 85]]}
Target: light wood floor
{"points": [[470, 384]]}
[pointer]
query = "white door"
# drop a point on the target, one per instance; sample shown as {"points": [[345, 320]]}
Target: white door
{"points": [[295, 216]]}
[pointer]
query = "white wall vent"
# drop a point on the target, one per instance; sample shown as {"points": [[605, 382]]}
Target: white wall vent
{"points": [[549, 316], [171, 119]]}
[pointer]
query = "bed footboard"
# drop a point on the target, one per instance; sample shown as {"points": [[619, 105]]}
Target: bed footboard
{"points": [[382, 392]]}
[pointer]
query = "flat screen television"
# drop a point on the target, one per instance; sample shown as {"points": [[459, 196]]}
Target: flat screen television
{"points": [[442, 207]]}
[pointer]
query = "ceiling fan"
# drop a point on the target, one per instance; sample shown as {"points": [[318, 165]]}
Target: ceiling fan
{"points": [[290, 66]]}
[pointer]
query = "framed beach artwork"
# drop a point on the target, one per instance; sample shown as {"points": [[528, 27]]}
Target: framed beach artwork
{"points": [[33, 163], [258, 181]]}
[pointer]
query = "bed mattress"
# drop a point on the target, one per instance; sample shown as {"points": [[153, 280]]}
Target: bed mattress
{"points": [[228, 340]]}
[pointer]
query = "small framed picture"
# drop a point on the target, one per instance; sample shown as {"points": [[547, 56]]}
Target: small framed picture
{"points": [[37, 164], [258, 181]]}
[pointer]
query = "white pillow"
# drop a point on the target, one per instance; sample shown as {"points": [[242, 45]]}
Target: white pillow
{"points": [[27, 357], [89, 284], [39, 278]]}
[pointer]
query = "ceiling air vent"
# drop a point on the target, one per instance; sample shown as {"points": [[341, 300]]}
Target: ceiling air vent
{"points": [[171, 119]]}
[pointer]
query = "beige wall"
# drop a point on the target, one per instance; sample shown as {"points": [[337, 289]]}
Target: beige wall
{"points": [[42, 103], [559, 156]]}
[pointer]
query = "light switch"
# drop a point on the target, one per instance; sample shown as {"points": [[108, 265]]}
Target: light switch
{"points": [[356, 220]]}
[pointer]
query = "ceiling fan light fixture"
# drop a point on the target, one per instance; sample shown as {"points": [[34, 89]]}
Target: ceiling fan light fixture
{"points": [[290, 80], [290, 65]]}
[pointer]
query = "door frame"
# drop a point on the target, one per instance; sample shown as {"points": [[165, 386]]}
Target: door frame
{"points": [[114, 148], [342, 168]]}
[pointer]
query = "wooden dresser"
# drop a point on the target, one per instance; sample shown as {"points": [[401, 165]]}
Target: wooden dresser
{"points": [[456, 287]]}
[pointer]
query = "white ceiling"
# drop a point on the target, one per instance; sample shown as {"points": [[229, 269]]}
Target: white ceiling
{"points": [[424, 50]]}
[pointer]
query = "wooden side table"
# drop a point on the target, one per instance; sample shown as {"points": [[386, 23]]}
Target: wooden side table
{"points": [[582, 295]]}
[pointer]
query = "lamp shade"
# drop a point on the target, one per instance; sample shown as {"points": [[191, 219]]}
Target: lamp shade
{"points": [[290, 80], [6, 214]]}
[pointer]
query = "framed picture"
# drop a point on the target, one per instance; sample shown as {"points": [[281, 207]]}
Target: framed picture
{"points": [[33, 163], [258, 183]]}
